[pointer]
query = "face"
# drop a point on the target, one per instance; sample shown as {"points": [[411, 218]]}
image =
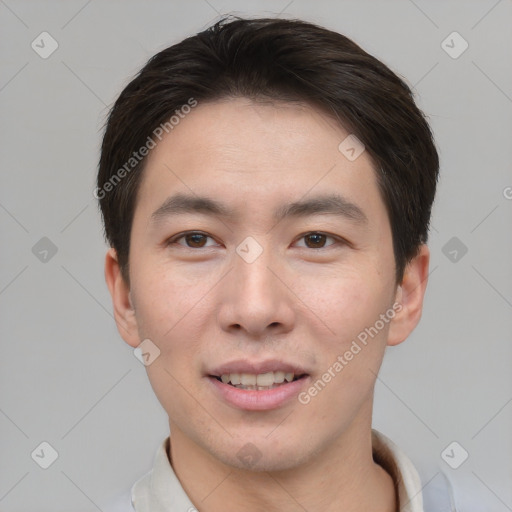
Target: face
{"points": [[258, 248]]}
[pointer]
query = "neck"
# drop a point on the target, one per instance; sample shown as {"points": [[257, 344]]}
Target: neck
{"points": [[343, 476]]}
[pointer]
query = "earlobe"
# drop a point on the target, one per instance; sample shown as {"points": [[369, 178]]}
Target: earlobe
{"points": [[409, 295], [124, 312]]}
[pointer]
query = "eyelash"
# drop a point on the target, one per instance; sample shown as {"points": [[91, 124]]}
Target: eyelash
{"points": [[174, 240]]}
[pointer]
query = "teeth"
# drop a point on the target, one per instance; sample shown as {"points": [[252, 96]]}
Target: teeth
{"points": [[262, 380], [278, 377], [265, 379], [246, 379]]}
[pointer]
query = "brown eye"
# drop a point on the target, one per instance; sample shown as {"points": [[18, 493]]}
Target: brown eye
{"points": [[195, 240], [192, 240], [316, 240]]}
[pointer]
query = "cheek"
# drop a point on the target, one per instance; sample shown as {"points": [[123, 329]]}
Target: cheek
{"points": [[165, 300], [170, 315], [346, 305], [352, 352]]}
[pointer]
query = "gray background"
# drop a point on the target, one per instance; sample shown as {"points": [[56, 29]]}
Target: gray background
{"points": [[68, 379]]}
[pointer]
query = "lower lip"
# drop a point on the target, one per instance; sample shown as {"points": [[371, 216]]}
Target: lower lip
{"points": [[263, 400]]}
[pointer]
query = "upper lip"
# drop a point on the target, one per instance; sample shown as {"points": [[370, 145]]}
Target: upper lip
{"points": [[256, 367]]}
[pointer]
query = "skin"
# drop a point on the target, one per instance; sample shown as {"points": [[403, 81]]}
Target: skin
{"points": [[302, 300]]}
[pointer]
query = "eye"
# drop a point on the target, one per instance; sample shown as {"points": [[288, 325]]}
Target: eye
{"points": [[193, 240], [198, 240], [316, 240]]}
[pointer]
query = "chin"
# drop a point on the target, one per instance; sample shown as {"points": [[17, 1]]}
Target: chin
{"points": [[261, 455], [265, 463]]}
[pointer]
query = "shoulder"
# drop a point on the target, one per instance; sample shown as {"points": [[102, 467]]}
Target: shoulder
{"points": [[417, 492]]}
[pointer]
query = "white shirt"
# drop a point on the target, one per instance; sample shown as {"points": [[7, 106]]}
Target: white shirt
{"points": [[160, 490]]}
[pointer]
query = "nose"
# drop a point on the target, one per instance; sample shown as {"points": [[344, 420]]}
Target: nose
{"points": [[256, 297]]}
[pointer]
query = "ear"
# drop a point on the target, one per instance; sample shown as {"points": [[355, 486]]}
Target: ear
{"points": [[409, 295], [124, 312]]}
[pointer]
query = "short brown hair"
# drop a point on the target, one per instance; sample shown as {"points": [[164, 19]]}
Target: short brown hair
{"points": [[286, 60]]}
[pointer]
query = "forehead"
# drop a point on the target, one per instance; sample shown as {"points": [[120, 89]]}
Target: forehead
{"points": [[250, 152]]}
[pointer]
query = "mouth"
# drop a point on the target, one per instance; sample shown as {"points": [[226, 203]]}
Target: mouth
{"points": [[257, 385], [262, 390]]}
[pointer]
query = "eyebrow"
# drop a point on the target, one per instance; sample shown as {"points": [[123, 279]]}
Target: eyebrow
{"points": [[331, 204]]}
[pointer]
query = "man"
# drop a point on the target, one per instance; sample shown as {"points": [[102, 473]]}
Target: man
{"points": [[266, 188]]}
